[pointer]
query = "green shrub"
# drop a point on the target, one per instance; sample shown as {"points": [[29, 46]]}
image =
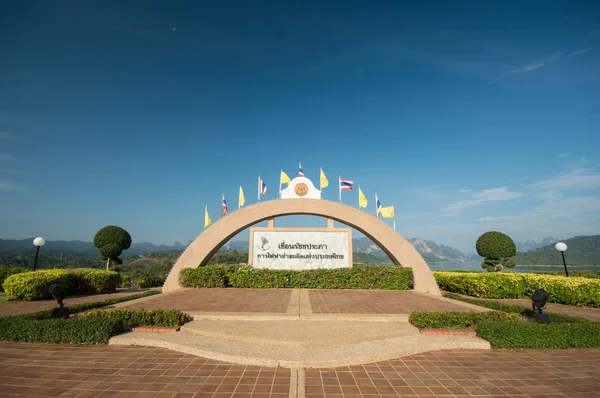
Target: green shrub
{"points": [[150, 282], [34, 285], [203, 277], [6, 272], [132, 318], [569, 291], [125, 281], [456, 320], [77, 331], [495, 245], [90, 280], [502, 334], [357, 277]]}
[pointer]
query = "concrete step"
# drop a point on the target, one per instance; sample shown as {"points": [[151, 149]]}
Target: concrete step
{"points": [[299, 333], [299, 344]]}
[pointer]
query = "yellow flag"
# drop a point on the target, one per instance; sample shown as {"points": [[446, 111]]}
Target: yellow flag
{"points": [[362, 199], [324, 181], [241, 200], [387, 212], [284, 178], [207, 220]]}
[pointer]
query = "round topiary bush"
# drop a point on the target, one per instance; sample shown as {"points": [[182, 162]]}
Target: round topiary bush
{"points": [[111, 241], [495, 246]]}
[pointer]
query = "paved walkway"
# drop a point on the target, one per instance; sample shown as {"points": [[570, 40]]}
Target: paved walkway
{"points": [[23, 307], [220, 300], [585, 312], [44, 370], [301, 301], [379, 302]]}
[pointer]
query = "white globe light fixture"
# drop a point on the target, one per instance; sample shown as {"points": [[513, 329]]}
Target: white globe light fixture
{"points": [[562, 248], [38, 242]]}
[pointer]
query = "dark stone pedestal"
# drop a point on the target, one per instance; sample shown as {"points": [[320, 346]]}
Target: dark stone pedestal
{"points": [[60, 312]]}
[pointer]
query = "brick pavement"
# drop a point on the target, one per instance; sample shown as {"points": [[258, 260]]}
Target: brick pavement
{"points": [[499, 373], [378, 302], [23, 307], [220, 300], [52, 370]]}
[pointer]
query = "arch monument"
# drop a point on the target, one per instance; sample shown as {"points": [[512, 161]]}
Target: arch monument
{"points": [[392, 243]]}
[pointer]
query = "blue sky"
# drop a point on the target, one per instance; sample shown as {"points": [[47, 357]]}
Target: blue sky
{"points": [[466, 116]]}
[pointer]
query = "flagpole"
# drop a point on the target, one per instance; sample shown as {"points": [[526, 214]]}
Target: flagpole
{"points": [[320, 180], [376, 209], [239, 197], [340, 186], [394, 221], [280, 171], [359, 196], [259, 188]]}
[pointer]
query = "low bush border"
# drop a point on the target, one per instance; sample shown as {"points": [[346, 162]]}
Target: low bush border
{"points": [[75, 331], [357, 277], [516, 332], [133, 318]]}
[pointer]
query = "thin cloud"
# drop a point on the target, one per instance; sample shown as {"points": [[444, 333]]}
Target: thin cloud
{"points": [[487, 195], [6, 186], [465, 190], [576, 179], [562, 155], [579, 52], [566, 208], [7, 157], [530, 67]]}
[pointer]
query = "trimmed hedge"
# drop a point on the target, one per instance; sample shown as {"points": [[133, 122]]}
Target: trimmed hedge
{"points": [[34, 285], [125, 281], [569, 291], [357, 277], [151, 282], [6, 272], [457, 320], [76, 331], [90, 280], [539, 336], [132, 318]]}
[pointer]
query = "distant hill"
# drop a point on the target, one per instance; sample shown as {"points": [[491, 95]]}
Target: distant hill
{"points": [[582, 250], [531, 245], [430, 251]]}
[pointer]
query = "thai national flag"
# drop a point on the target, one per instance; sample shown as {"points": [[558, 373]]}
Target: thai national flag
{"points": [[300, 171], [378, 205], [346, 185], [262, 187], [224, 209]]}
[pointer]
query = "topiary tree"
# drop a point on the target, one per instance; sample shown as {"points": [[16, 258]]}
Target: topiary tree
{"points": [[496, 247], [111, 241]]}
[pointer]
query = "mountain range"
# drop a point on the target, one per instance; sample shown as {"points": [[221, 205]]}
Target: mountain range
{"points": [[430, 251], [530, 245]]}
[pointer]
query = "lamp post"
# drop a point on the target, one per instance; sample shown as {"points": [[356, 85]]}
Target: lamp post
{"points": [[38, 242], [562, 247]]}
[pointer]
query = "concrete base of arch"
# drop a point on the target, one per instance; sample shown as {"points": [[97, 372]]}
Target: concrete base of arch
{"points": [[391, 242]]}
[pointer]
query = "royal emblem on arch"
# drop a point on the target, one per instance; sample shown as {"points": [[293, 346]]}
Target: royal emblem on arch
{"points": [[301, 189]]}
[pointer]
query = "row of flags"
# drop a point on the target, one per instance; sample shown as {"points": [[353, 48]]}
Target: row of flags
{"points": [[344, 185]]}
